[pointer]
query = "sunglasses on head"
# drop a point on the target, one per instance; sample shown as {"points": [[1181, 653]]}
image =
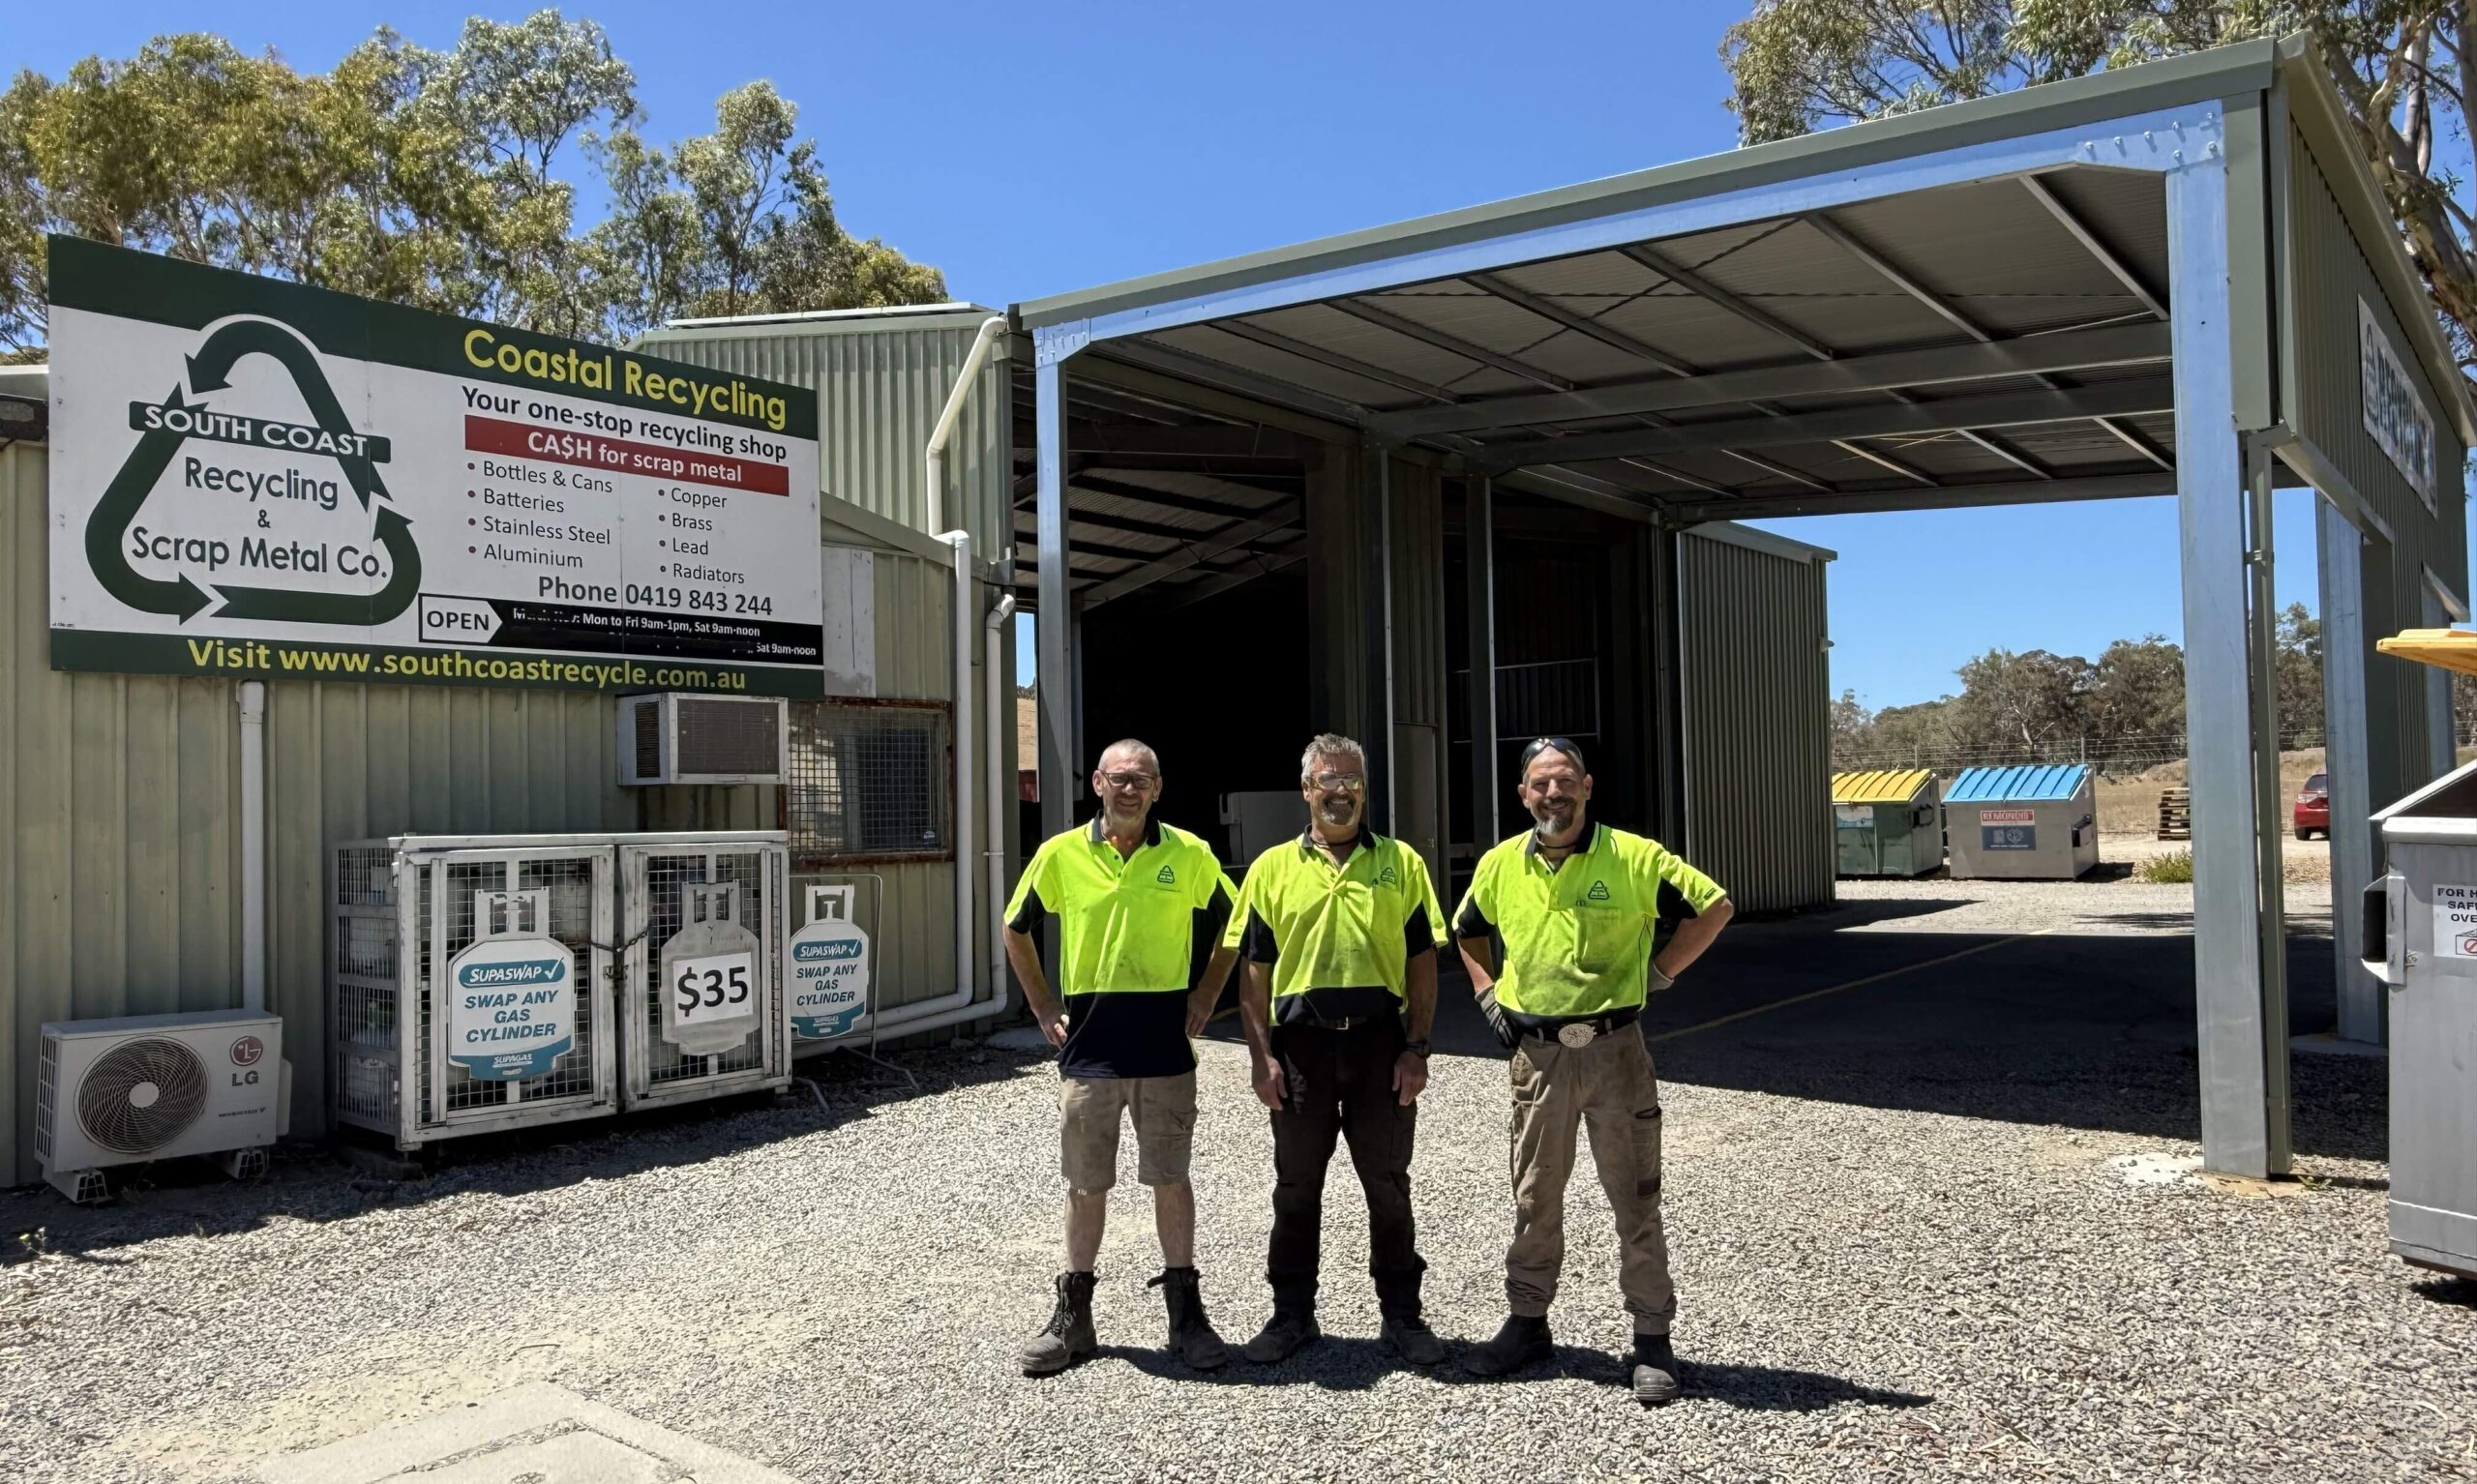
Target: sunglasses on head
{"points": [[1538, 745]]}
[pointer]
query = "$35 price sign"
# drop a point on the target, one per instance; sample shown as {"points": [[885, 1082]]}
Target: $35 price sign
{"points": [[712, 989]]}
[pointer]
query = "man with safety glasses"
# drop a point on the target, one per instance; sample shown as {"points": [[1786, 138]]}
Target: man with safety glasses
{"points": [[1558, 931], [1135, 899], [1338, 930]]}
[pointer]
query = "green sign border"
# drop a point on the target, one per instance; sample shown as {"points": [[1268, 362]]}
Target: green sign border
{"points": [[171, 654]]}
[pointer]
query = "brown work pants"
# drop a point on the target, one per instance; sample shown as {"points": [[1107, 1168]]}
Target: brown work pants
{"points": [[1609, 1084]]}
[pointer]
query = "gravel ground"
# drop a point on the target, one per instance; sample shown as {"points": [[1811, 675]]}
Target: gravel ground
{"points": [[1868, 1290]]}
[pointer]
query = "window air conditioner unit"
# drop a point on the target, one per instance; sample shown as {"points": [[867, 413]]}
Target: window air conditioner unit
{"points": [[143, 1087], [683, 737]]}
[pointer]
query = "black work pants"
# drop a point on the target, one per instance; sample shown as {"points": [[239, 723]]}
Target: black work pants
{"points": [[1340, 1083]]}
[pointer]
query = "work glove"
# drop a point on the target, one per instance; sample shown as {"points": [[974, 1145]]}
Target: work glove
{"points": [[1507, 1037], [1656, 981]]}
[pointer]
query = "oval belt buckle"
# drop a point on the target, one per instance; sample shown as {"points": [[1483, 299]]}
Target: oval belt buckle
{"points": [[1576, 1034]]}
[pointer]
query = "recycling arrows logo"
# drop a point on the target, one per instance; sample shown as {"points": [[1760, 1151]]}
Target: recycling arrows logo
{"points": [[211, 370], [1599, 892]]}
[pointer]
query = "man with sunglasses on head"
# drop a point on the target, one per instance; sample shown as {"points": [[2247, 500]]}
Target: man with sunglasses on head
{"points": [[1564, 929], [1339, 930], [1134, 900]]}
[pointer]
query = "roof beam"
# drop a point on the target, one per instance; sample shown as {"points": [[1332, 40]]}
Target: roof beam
{"points": [[1262, 567], [2100, 487], [1702, 288], [2011, 408], [1332, 360], [1575, 321], [1191, 554], [2074, 350], [2107, 257], [1454, 344], [1124, 525], [1099, 483]]}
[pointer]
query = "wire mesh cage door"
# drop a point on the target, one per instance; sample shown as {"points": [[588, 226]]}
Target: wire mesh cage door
{"points": [[565, 893], [684, 902], [366, 990]]}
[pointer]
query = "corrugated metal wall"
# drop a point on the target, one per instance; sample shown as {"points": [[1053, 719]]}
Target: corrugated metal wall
{"points": [[911, 931], [119, 798], [880, 384], [1757, 702], [2327, 275]]}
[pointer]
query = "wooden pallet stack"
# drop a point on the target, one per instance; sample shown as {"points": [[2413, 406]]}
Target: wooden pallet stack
{"points": [[2175, 814]]}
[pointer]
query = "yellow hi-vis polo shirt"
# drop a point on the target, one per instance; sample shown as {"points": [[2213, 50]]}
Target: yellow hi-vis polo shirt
{"points": [[1339, 939], [1132, 935], [1575, 939]]}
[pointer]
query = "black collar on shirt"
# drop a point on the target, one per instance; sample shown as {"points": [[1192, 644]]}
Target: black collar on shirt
{"points": [[1099, 831], [1584, 844], [1365, 837]]}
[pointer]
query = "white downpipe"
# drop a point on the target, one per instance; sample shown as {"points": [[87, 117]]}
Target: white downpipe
{"points": [[1001, 716], [958, 1005], [253, 701]]}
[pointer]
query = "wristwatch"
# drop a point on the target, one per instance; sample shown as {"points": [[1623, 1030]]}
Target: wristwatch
{"points": [[1419, 1045]]}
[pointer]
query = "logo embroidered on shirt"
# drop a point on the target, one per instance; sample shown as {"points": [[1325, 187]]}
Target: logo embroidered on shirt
{"points": [[1167, 877], [1386, 878], [1599, 892]]}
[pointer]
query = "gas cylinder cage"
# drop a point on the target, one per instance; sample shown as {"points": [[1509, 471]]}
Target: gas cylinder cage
{"points": [[404, 908], [661, 879]]}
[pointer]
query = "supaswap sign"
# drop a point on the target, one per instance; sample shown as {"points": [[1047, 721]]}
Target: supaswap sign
{"points": [[250, 477]]}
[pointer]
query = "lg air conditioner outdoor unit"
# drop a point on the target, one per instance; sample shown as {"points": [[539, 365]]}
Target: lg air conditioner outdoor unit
{"points": [[151, 1086], [681, 737]]}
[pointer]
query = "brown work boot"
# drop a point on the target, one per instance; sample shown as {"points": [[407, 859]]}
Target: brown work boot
{"points": [[1524, 1340], [1068, 1336], [1655, 1372], [1191, 1334]]}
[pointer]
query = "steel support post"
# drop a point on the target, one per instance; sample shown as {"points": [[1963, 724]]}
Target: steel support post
{"points": [[1376, 493], [1666, 631], [2237, 1113], [1480, 563], [1056, 686], [2346, 762], [2270, 834]]}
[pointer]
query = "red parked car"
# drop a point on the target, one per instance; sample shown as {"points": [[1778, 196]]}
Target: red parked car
{"points": [[2312, 811]]}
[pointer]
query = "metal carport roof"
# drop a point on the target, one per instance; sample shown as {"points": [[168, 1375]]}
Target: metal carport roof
{"points": [[2145, 281]]}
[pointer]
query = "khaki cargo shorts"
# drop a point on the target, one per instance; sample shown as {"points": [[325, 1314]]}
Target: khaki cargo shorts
{"points": [[1164, 1111]]}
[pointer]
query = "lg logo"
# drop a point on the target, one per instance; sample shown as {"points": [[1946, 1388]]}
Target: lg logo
{"points": [[246, 1051]]}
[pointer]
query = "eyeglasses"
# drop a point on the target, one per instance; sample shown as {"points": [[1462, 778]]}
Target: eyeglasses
{"points": [[1341, 783], [1130, 781], [1538, 745]]}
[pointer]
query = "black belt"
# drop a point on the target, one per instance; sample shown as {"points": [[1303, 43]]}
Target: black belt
{"points": [[1581, 1029], [1342, 1022]]}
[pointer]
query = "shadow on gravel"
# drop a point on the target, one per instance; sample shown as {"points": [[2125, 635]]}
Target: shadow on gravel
{"points": [[311, 1182], [1771, 1388], [2462, 1292], [1353, 1363]]}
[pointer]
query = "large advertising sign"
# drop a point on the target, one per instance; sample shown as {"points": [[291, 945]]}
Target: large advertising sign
{"points": [[249, 477]]}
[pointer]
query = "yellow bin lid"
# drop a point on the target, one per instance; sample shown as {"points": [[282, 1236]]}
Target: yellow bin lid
{"points": [[1883, 786], [2454, 649]]}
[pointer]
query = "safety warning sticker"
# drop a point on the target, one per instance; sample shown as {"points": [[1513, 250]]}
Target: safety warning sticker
{"points": [[2454, 921]]}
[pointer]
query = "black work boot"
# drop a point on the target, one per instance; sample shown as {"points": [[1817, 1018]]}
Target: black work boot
{"points": [[1068, 1337], [1282, 1336], [1654, 1370], [1191, 1334], [1410, 1337], [1523, 1340]]}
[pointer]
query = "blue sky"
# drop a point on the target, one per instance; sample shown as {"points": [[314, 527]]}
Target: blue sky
{"points": [[1030, 149]]}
